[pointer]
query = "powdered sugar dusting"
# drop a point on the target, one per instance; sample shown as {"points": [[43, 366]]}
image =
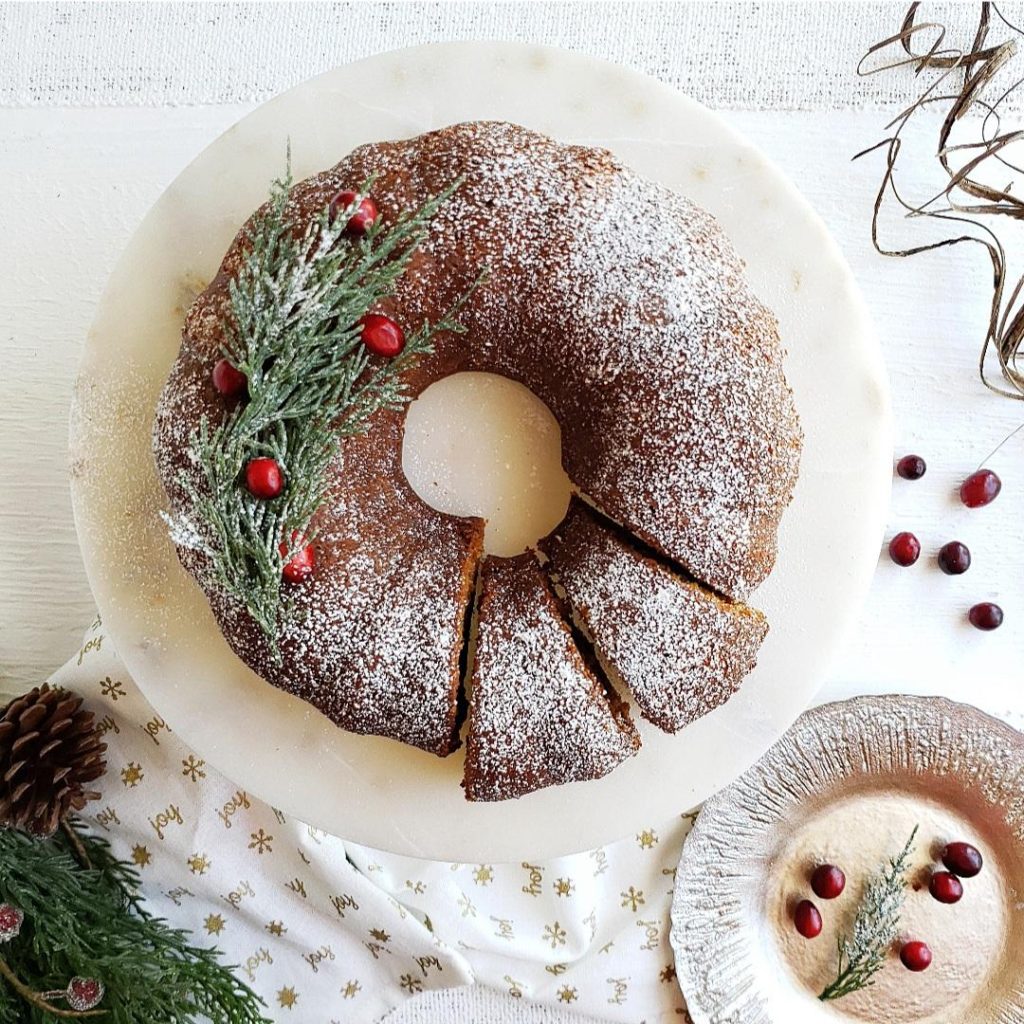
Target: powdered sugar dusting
{"points": [[681, 650], [537, 717]]}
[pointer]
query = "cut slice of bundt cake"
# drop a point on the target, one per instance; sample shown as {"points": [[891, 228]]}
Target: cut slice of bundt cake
{"points": [[680, 649], [538, 715]]}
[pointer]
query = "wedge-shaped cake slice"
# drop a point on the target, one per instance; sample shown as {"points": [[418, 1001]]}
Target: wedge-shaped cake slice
{"points": [[538, 715], [680, 649]]}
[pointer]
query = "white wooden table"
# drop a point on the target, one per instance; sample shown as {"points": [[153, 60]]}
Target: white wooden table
{"points": [[77, 180]]}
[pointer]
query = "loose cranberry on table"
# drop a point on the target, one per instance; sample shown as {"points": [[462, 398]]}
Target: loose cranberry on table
{"points": [[264, 478], [381, 335], [229, 380], [962, 859], [828, 882], [904, 549], [946, 887], [986, 616], [916, 956], [911, 467], [980, 488], [360, 221], [807, 919], [954, 558]]}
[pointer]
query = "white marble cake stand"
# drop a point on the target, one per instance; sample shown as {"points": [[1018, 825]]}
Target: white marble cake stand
{"points": [[375, 791]]}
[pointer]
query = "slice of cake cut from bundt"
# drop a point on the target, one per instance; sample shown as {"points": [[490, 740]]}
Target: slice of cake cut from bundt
{"points": [[680, 649], [538, 715]]}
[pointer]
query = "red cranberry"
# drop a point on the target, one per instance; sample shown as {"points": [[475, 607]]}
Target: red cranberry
{"points": [[11, 919], [986, 616], [962, 859], [263, 477], [954, 558], [360, 221], [916, 956], [911, 467], [945, 887], [228, 380], [807, 919], [381, 335], [301, 565], [904, 549], [980, 488], [828, 882]]}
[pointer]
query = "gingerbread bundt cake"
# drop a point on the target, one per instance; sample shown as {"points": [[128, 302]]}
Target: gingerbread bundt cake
{"points": [[623, 307]]}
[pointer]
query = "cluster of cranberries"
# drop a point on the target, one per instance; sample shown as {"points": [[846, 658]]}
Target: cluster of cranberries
{"points": [[382, 336], [954, 558], [961, 860]]}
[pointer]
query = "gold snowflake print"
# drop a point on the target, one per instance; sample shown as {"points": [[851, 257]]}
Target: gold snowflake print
{"points": [[141, 856], [483, 874], [350, 989], [566, 994], [192, 768], [261, 842], [633, 898], [668, 974], [198, 863], [114, 689], [287, 998], [555, 934], [132, 774], [563, 886], [214, 924], [276, 927], [411, 983], [647, 839], [380, 935], [467, 906]]}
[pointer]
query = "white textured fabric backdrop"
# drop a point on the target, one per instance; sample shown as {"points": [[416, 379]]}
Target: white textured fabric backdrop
{"points": [[104, 103]]}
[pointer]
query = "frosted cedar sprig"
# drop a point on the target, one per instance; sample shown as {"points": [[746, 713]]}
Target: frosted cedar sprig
{"points": [[862, 955], [293, 330]]}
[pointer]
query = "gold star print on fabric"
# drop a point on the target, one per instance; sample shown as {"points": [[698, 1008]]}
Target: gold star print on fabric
{"points": [[141, 856], [555, 934], [132, 774], [411, 984], [350, 989], [192, 768], [633, 898], [567, 994], [214, 924], [647, 839], [287, 998], [668, 974], [563, 886], [380, 935], [484, 874], [276, 927], [114, 689], [198, 863], [260, 842]]}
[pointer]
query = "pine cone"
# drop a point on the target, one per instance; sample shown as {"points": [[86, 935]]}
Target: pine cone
{"points": [[49, 751]]}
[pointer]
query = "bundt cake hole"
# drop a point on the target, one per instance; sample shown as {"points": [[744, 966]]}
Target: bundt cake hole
{"points": [[467, 653]]}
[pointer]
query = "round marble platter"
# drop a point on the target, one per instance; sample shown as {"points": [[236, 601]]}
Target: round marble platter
{"points": [[378, 792], [847, 785]]}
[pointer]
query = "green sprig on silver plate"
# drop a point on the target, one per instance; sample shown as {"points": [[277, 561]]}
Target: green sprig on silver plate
{"points": [[292, 329], [862, 954]]}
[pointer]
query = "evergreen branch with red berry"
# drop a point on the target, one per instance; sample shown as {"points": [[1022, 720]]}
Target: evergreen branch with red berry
{"points": [[305, 363], [862, 954]]}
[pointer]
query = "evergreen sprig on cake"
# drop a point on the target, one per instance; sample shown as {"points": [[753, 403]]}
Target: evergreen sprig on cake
{"points": [[305, 363]]}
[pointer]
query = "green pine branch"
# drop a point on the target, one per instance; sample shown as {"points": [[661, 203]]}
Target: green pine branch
{"points": [[293, 331], [89, 921]]}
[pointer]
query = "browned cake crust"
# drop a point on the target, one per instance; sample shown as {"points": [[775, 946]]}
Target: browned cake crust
{"points": [[538, 716], [616, 301], [680, 649]]}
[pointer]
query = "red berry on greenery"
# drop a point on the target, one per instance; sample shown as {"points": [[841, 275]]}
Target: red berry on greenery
{"points": [[946, 887], [828, 882], [360, 221], [962, 859], [916, 956], [807, 919], [263, 477], [381, 335], [954, 558], [11, 919], [84, 993], [986, 616], [228, 380], [911, 467], [301, 565], [980, 488], [904, 549]]}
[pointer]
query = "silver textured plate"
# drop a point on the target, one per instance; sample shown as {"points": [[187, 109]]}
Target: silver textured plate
{"points": [[846, 785]]}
